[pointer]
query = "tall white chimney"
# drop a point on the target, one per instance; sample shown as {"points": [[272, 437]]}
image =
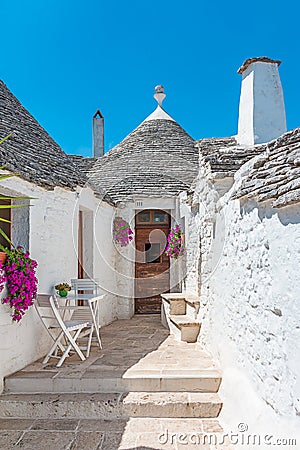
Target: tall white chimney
{"points": [[98, 134], [261, 111]]}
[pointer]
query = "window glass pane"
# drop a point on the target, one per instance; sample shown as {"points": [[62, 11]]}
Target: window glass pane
{"points": [[159, 216], [144, 216], [5, 214], [152, 253]]}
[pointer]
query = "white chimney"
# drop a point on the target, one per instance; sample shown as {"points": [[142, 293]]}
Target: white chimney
{"points": [[261, 111], [98, 134]]}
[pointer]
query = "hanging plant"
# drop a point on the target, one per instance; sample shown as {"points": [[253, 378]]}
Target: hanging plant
{"points": [[122, 233], [18, 272], [175, 246]]}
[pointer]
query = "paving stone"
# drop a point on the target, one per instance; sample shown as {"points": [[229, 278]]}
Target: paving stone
{"points": [[212, 426], [8, 439], [112, 441], [102, 425], [182, 425], [153, 441], [52, 440], [142, 424], [88, 440]]}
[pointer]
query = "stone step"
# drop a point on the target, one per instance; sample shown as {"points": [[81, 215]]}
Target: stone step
{"points": [[172, 404], [173, 380], [181, 301], [177, 303], [189, 327], [133, 379], [61, 406], [110, 406]]}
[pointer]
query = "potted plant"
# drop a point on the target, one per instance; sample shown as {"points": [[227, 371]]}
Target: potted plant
{"points": [[63, 289], [18, 273], [122, 232], [175, 246]]}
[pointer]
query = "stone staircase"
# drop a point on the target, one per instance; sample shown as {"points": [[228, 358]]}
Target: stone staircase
{"points": [[179, 314], [141, 372]]}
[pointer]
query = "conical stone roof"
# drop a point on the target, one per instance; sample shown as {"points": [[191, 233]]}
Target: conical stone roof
{"points": [[158, 159]]}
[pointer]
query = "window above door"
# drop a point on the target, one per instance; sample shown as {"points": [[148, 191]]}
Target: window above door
{"points": [[152, 216]]}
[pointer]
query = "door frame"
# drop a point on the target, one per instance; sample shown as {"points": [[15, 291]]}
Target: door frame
{"points": [[151, 224]]}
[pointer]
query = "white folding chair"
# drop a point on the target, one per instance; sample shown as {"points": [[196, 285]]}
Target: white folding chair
{"points": [[88, 313], [84, 288], [70, 330], [45, 313]]}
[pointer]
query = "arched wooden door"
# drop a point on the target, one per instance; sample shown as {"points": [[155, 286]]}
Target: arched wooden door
{"points": [[152, 265]]}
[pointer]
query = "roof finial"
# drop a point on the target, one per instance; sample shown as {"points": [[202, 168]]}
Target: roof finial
{"points": [[159, 94]]}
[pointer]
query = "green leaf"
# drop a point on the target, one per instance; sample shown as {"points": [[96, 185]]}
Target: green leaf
{"points": [[5, 236], [7, 197], [12, 206], [6, 175], [4, 139]]}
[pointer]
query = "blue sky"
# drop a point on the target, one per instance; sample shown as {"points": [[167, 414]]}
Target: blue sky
{"points": [[65, 59]]}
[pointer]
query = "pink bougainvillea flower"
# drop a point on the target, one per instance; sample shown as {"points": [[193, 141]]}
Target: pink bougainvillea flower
{"points": [[122, 233], [174, 246], [18, 273]]}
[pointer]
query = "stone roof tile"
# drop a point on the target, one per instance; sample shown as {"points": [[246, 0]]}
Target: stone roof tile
{"points": [[224, 156], [30, 151], [275, 173], [157, 159]]}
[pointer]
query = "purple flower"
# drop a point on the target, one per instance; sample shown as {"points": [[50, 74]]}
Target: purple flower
{"points": [[19, 274], [174, 246], [122, 233]]}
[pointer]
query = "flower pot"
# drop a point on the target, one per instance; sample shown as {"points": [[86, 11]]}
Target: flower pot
{"points": [[3, 256], [63, 293]]}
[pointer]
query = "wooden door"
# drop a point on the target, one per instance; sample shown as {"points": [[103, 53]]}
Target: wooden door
{"points": [[152, 266], [80, 271]]}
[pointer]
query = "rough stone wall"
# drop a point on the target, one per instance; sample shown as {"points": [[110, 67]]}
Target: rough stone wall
{"points": [[250, 283], [199, 211], [252, 314]]}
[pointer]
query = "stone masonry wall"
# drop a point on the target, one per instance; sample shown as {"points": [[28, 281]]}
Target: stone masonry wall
{"points": [[250, 312], [253, 312]]}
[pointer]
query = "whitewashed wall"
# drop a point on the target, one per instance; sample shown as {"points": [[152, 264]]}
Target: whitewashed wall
{"points": [[53, 228], [199, 210], [252, 317], [250, 309]]}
